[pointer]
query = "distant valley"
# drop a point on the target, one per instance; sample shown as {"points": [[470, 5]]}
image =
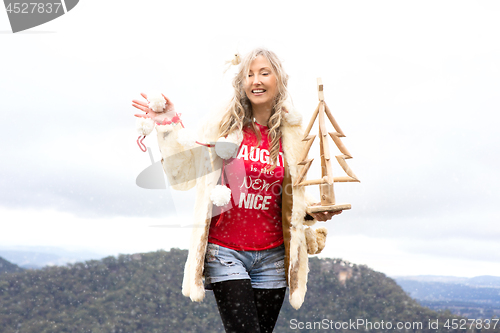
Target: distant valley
{"points": [[477, 297]]}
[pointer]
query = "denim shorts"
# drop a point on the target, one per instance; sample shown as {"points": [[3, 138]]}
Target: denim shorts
{"points": [[265, 269]]}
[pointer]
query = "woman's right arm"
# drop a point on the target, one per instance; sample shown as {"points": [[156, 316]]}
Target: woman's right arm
{"points": [[177, 161]]}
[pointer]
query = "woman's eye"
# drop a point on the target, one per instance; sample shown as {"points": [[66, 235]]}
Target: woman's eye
{"points": [[265, 74]]}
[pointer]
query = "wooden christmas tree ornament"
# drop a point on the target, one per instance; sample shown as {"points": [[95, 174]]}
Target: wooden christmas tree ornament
{"points": [[327, 179]]}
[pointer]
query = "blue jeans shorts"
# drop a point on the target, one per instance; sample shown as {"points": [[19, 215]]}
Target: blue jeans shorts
{"points": [[265, 269]]}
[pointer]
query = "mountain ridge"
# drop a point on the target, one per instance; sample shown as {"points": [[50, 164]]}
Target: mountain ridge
{"points": [[477, 281], [142, 293], [8, 267]]}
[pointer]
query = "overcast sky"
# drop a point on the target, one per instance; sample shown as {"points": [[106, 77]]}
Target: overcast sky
{"points": [[414, 86]]}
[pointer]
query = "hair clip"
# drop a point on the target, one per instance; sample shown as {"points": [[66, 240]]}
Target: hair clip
{"points": [[235, 61]]}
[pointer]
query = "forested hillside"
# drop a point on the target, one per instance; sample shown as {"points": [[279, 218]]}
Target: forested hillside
{"points": [[8, 267], [142, 293]]}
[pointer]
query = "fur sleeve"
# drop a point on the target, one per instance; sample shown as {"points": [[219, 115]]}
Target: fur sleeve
{"points": [[310, 199], [178, 161]]}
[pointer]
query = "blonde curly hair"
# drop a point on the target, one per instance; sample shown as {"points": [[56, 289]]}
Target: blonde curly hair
{"points": [[239, 111]]}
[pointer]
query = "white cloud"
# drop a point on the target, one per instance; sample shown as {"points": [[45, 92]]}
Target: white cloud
{"points": [[102, 235], [416, 257]]}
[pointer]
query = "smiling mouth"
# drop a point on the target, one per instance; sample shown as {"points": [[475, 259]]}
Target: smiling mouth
{"points": [[258, 91]]}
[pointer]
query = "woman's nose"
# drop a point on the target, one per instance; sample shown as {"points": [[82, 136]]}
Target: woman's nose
{"points": [[256, 80]]}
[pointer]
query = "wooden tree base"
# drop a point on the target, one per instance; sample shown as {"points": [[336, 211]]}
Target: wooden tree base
{"points": [[330, 208]]}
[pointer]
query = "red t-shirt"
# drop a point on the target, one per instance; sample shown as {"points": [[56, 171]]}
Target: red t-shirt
{"points": [[252, 219]]}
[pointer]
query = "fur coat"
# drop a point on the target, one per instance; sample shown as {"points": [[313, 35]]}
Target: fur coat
{"points": [[187, 164]]}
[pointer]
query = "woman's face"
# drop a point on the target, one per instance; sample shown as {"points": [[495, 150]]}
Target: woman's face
{"points": [[261, 84]]}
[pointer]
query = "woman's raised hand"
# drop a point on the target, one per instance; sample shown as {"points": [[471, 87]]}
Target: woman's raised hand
{"points": [[156, 116]]}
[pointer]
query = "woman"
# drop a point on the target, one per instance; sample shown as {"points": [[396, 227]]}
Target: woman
{"points": [[252, 248]]}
